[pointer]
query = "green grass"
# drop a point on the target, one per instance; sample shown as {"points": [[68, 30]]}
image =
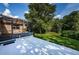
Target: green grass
{"points": [[56, 38]]}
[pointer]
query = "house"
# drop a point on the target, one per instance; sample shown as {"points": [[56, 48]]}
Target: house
{"points": [[10, 25]]}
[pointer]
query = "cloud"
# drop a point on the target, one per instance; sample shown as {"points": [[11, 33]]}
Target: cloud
{"points": [[16, 16], [26, 12], [7, 12], [6, 4], [58, 16]]}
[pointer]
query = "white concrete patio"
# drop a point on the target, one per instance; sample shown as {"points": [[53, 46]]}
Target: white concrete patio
{"points": [[30, 45]]}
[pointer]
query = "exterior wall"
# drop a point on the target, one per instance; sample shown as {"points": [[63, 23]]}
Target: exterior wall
{"points": [[16, 31], [7, 23], [7, 29], [24, 28]]}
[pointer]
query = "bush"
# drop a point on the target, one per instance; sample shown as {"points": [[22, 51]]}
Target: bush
{"points": [[70, 34]]}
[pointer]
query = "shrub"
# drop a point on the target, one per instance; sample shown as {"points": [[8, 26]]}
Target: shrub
{"points": [[70, 34]]}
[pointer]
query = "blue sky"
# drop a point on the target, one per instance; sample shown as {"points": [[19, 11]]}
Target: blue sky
{"points": [[14, 9], [18, 9], [65, 8]]}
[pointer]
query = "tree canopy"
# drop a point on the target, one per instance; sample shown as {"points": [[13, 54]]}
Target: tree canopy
{"points": [[71, 21], [41, 16]]}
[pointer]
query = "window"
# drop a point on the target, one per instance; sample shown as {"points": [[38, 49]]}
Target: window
{"points": [[16, 27], [25, 24]]}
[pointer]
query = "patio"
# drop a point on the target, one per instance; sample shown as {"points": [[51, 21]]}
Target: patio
{"points": [[30, 45]]}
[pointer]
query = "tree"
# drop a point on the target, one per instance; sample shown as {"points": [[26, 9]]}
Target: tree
{"points": [[40, 16], [71, 25], [71, 21], [57, 25]]}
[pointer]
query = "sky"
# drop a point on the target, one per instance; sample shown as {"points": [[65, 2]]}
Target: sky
{"points": [[17, 10], [63, 9]]}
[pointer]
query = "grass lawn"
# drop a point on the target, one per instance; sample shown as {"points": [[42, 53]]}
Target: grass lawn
{"points": [[55, 38]]}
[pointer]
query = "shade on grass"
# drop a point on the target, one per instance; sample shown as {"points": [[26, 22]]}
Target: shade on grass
{"points": [[55, 38]]}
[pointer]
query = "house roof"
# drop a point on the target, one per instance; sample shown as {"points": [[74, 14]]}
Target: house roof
{"points": [[10, 18]]}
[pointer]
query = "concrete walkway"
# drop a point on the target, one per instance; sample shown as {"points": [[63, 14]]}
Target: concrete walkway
{"points": [[30, 45]]}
